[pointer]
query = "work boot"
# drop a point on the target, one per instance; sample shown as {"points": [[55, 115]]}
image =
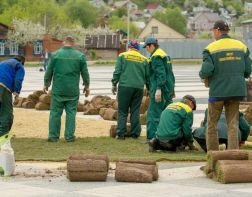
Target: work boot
{"points": [[152, 145], [120, 137]]}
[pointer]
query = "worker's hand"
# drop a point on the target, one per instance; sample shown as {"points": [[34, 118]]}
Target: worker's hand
{"points": [[192, 147], [158, 96], [16, 95], [45, 89], [241, 143], [205, 81], [86, 91], [114, 89]]}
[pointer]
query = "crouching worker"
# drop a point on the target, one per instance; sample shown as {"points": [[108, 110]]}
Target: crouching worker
{"points": [[199, 134], [174, 131]]}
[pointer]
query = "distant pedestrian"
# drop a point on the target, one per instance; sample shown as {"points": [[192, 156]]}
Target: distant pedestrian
{"points": [[131, 75], [226, 64], [11, 78], [64, 70], [46, 59], [161, 84]]}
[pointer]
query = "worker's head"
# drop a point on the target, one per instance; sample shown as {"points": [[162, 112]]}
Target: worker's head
{"points": [[133, 45], [69, 41], [20, 58], [190, 100], [220, 27], [151, 44]]}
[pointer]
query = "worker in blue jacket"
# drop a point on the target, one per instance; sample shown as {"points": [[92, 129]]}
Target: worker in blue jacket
{"points": [[11, 79]]}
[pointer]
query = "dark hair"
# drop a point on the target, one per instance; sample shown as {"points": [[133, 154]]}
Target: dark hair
{"points": [[20, 58]]}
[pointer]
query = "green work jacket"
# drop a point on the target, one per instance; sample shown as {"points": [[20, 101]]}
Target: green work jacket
{"points": [[131, 70], [176, 122], [226, 64], [243, 132], [64, 69], [161, 74]]}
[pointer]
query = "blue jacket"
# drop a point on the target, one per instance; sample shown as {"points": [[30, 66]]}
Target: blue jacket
{"points": [[12, 75]]}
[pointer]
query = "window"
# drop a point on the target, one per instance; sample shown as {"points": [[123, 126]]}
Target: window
{"points": [[154, 30], [14, 49], [2, 47], [38, 48]]}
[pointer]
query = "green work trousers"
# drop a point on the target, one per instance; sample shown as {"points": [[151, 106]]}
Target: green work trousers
{"points": [[232, 117], [59, 103], [129, 99], [153, 114], [6, 111]]}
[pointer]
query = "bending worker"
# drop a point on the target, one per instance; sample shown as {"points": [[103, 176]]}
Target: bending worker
{"points": [[199, 134], [131, 74], [64, 69], [11, 79], [161, 84], [175, 127]]}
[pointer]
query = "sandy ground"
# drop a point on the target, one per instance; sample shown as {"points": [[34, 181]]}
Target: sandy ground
{"points": [[32, 123]]}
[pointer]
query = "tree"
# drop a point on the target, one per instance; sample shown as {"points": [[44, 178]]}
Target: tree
{"points": [[35, 11], [173, 18], [82, 11], [116, 23], [24, 31], [120, 12]]}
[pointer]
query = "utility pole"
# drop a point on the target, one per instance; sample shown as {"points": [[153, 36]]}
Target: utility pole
{"points": [[45, 23], [128, 24]]}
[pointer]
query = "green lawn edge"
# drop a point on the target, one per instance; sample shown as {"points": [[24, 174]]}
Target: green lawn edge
{"points": [[35, 149]]}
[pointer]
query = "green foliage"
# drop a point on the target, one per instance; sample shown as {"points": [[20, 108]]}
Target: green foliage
{"points": [[119, 23], [204, 35], [82, 11], [173, 18], [35, 11], [120, 12], [236, 4], [92, 54]]}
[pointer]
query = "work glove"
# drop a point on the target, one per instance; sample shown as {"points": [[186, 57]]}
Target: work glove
{"points": [[16, 95], [45, 89], [192, 147], [158, 97], [114, 89], [86, 91]]}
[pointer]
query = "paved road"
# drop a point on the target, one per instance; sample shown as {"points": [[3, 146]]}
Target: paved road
{"points": [[187, 82]]}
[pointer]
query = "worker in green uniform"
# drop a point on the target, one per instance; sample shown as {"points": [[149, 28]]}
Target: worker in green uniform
{"points": [[226, 64], [131, 75], [64, 70], [161, 84], [174, 131], [199, 134]]}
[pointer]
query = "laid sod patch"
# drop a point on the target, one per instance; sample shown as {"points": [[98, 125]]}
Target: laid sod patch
{"points": [[36, 149], [40, 150]]}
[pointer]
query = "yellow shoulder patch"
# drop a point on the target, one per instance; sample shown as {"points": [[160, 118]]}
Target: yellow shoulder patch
{"points": [[226, 44], [178, 106], [159, 52]]}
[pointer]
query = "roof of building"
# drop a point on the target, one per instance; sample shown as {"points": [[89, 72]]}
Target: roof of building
{"points": [[152, 6], [247, 21]]}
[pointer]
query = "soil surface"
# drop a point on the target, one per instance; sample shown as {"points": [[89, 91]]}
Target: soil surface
{"points": [[34, 124]]}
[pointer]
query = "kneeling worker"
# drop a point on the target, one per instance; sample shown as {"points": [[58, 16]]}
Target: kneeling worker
{"points": [[199, 134], [175, 127]]}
